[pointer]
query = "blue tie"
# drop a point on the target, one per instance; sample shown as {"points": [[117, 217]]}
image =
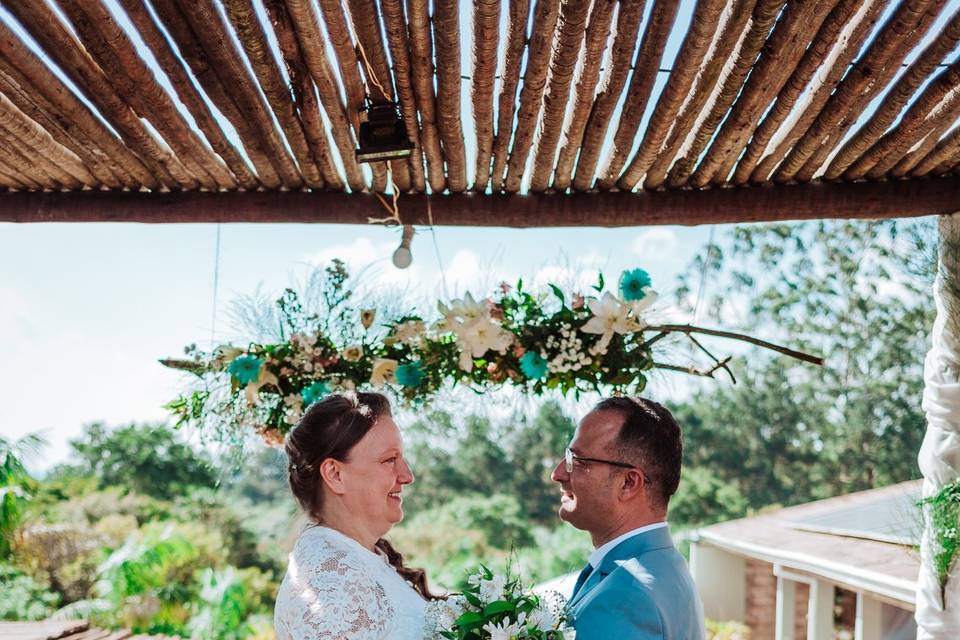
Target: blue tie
{"points": [[581, 579]]}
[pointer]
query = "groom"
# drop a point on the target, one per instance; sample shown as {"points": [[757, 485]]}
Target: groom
{"points": [[616, 478]]}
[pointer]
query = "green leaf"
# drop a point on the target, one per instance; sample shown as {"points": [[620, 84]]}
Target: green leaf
{"points": [[600, 282], [557, 291], [469, 620], [500, 606]]}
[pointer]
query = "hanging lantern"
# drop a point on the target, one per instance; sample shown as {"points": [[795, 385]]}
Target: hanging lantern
{"points": [[383, 134]]}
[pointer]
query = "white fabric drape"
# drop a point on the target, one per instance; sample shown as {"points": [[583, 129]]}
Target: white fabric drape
{"points": [[938, 612]]}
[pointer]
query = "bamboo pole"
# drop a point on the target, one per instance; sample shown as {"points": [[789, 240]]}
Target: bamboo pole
{"points": [[717, 65], [891, 67], [856, 83], [685, 69], [486, 41], [36, 137], [938, 103], [813, 59], [545, 17], [35, 160], [109, 46], [219, 91], [572, 24], [365, 17], [228, 63], [776, 63], [173, 67], [598, 34], [943, 151], [253, 39], [853, 160], [35, 82], [421, 59], [32, 170], [646, 67], [64, 48], [446, 38], [761, 22], [519, 13], [67, 133], [395, 24], [305, 92], [11, 165], [312, 45], [841, 57]]}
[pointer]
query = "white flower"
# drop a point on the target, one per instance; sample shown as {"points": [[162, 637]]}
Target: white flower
{"points": [[491, 590], [609, 316], [505, 630], [444, 613], [641, 305], [484, 335], [463, 311], [383, 371], [409, 331], [543, 618]]}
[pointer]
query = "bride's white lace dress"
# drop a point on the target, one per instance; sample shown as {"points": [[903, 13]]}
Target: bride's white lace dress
{"points": [[336, 589]]}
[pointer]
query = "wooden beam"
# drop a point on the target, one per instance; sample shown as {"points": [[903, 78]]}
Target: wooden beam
{"points": [[893, 199]]}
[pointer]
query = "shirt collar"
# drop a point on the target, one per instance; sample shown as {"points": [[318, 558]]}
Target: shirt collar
{"points": [[598, 554]]}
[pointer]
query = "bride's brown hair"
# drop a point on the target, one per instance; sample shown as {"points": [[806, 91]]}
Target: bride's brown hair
{"points": [[330, 429]]}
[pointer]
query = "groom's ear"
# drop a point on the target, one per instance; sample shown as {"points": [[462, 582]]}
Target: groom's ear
{"points": [[633, 483], [331, 473]]}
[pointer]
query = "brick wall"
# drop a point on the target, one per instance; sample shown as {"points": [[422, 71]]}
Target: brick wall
{"points": [[762, 602]]}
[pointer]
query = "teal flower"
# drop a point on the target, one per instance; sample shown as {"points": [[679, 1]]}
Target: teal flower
{"points": [[633, 283], [409, 375], [313, 393], [246, 369], [533, 365]]}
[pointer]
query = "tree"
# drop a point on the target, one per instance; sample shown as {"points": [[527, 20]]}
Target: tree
{"points": [[858, 293], [148, 459], [15, 483]]}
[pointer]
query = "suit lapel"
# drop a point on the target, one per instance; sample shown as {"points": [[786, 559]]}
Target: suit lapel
{"points": [[629, 548]]}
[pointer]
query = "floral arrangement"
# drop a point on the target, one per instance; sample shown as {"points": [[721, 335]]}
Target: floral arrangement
{"points": [[496, 607], [537, 341]]}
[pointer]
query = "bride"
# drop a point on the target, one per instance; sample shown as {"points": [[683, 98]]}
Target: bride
{"points": [[344, 580]]}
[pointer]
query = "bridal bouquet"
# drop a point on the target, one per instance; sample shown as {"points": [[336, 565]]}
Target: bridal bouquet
{"points": [[496, 607]]}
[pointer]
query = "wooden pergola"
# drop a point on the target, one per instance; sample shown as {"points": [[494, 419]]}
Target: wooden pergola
{"points": [[248, 110]]}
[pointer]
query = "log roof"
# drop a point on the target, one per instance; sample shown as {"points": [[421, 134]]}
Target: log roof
{"points": [[521, 112]]}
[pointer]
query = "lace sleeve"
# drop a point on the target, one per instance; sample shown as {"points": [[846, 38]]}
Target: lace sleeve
{"points": [[334, 598]]}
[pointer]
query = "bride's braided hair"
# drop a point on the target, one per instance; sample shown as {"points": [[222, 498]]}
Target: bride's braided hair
{"points": [[330, 429]]}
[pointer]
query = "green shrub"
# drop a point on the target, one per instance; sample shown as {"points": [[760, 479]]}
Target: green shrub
{"points": [[22, 598]]}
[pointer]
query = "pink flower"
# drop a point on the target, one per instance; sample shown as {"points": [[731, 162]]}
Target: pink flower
{"points": [[505, 288], [518, 350], [577, 302]]}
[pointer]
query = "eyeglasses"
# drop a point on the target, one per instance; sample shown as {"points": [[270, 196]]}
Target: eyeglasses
{"points": [[569, 457]]}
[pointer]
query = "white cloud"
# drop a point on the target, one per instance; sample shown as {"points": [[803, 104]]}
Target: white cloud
{"points": [[14, 313], [655, 245]]}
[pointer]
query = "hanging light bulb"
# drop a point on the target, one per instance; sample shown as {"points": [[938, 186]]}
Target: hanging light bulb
{"points": [[402, 256]]}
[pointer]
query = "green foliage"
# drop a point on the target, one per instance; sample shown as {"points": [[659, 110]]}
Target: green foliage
{"points": [[944, 515], [22, 598], [727, 630], [15, 484], [857, 292], [703, 499], [149, 459]]}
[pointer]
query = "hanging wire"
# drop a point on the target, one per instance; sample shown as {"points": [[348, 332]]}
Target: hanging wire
{"points": [[436, 248], [703, 276], [216, 287]]}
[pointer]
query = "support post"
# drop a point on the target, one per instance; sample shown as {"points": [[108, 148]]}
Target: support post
{"points": [[869, 623], [786, 608], [820, 610]]}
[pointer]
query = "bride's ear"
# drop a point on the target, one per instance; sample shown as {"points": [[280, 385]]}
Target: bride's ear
{"points": [[331, 473]]}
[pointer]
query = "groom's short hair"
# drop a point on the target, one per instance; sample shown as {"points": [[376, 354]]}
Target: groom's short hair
{"points": [[650, 439]]}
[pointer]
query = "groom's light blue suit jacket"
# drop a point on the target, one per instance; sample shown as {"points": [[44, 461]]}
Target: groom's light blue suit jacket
{"points": [[641, 590]]}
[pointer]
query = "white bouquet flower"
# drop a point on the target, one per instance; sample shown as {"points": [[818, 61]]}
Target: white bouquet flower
{"points": [[497, 607]]}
